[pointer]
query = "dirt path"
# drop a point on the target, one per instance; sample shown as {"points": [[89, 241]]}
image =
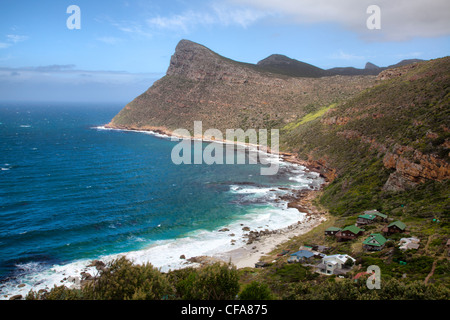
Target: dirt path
{"points": [[431, 272]]}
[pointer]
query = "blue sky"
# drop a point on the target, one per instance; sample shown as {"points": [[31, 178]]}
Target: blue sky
{"points": [[123, 46]]}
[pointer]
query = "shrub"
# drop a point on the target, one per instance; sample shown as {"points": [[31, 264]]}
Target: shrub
{"points": [[256, 291], [120, 280], [214, 282]]}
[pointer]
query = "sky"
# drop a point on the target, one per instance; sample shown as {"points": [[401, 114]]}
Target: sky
{"points": [[122, 46]]}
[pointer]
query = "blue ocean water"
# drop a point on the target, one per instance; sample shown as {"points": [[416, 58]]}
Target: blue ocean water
{"points": [[70, 191]]}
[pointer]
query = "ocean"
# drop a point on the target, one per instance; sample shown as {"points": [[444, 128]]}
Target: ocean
{"points": [[72, 191]]}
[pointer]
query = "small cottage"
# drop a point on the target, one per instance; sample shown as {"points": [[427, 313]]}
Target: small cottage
{"points": [[331, 231], [375, 242], [365, 219], [335, 264], [349, 233], [300, 256], [395, 227], [378, 215]]}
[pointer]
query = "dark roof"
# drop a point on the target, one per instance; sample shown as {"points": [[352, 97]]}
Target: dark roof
{"points": [[303, 253]]}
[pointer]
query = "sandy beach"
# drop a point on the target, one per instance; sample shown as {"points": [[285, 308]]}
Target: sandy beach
{"points": [[248, 255], [264, 243]]}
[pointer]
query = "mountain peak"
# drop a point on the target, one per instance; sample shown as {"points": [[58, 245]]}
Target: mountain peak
{"points": [[371, 66], [188, 58], [279, 63]]}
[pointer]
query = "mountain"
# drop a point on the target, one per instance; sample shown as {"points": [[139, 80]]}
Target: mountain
{"points": [[277, 63], [202, 85], [281, 64], [371, 66], [404, 63]]}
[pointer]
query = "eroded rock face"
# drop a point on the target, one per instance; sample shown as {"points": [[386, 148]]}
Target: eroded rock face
{"points": [[416, 168], [411, 166]]}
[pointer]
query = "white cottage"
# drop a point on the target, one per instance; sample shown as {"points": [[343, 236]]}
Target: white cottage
{"points": [[334, 264]]}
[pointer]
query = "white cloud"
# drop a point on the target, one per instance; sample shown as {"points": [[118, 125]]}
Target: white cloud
{"points": [[400, 19], [215, 14], [70, 74], [14, 38]]}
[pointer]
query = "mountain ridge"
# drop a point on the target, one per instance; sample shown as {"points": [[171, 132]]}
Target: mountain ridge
{"points": [[276, 63], [282, 64]]}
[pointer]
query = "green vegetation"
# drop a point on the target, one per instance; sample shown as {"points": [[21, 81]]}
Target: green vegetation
{"points": [[350, 290], [408, 113], [312, 116], [256, 291], [123, 280]]}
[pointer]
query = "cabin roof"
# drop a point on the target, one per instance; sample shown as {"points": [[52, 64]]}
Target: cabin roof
{"points": [[398, 224]]}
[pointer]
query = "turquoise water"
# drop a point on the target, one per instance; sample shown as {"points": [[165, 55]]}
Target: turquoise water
{"points": [[70, 191]]}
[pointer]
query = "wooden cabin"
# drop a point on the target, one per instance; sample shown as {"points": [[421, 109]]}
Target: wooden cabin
{"points": [[395, 227], [349, 233], [375, 242], [331, 231]]}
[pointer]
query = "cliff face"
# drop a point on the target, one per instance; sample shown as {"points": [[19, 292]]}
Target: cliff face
{"points": [[201, 85]]}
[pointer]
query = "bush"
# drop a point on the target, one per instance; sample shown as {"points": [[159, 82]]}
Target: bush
{"points": [[256, 291], [120, 280], [215, 282]]}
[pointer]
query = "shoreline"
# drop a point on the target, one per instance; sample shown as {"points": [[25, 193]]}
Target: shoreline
{"points": [[251, 253], [248, 255]]}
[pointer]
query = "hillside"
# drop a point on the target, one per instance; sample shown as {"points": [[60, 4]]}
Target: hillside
{"points": [[388, 146]]}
